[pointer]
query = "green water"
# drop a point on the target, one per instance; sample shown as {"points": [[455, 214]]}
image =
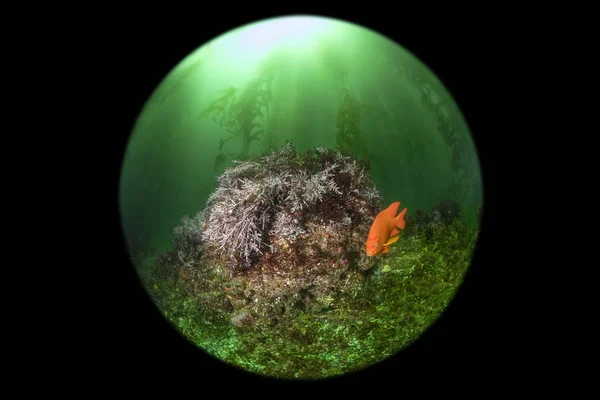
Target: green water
{"points": [[316, 82], [169, 169]]}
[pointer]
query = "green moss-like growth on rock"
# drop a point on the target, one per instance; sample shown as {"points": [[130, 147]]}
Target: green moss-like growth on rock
{"points": [[292, 294]]}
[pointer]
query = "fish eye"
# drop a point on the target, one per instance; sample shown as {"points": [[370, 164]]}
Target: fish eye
{"points": [[376, 244]]}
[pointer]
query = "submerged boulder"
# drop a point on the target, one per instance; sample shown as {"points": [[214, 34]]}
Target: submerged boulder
{"points": [[281, 234]]}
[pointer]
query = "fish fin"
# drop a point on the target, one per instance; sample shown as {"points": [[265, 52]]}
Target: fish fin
{"points": [[393, 209], [391, 240], [395, 231], [400, 222], [385, 250]]}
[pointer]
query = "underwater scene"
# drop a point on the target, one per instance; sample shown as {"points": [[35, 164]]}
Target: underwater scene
{"points": [[301, 197]]}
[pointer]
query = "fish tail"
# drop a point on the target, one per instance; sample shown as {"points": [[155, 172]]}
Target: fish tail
{"points": [[400, 222]]}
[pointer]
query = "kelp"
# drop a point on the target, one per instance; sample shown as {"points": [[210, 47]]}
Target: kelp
{"points": [[462, 156], [243, 113], [348, 134]]}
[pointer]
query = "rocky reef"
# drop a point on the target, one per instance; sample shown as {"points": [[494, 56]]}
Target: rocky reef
{"points": [[272, 276], [282, 234]]}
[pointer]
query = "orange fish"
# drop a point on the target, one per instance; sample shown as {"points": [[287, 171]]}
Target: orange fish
{"points": [[384, 230]]}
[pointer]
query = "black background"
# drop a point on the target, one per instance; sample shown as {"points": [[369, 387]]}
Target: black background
{"points": [[129, 344]]}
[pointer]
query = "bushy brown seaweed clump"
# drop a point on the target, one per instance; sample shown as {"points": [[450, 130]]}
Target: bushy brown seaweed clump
{"points": [[281, 234]]}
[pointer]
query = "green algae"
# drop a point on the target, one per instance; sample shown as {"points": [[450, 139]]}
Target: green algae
{"points": [[394, 307]]}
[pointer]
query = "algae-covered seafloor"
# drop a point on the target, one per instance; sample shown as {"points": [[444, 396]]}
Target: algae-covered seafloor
{"points": [[310, 304], [254, 174]]}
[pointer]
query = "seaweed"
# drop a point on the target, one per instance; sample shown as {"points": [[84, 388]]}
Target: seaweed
{"points": [[348, 134], [243, 113], [461, 154], [338, 319]]}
